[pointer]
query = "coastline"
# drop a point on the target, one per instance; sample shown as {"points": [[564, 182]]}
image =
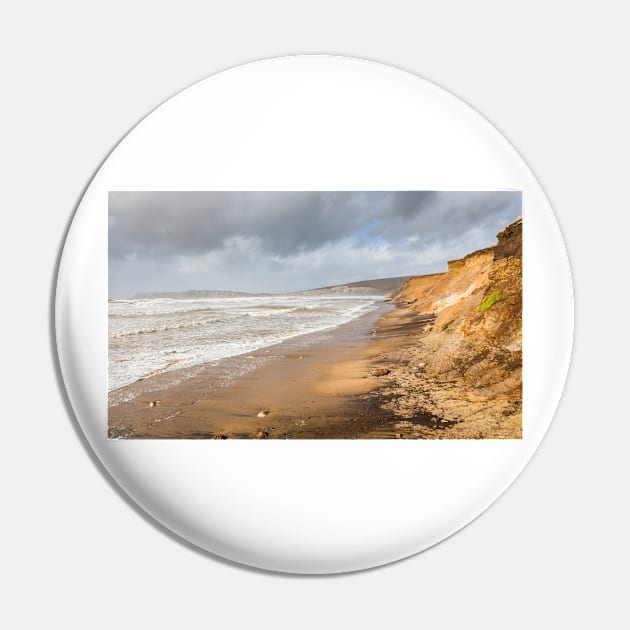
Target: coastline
{"points": [[442, 359], [320, 385]]}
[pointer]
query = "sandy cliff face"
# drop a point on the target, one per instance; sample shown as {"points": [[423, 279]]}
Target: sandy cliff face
{"points": [[464, 375]]}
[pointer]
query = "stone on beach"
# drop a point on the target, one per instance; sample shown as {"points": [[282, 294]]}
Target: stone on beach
{"points": [[380, 372], [263, 413]]}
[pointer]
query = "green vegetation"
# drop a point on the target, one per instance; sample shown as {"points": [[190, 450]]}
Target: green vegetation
{"points": [[493, 298]]}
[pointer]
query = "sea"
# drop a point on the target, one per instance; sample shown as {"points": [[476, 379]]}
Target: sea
{"points": [[155, 335]]}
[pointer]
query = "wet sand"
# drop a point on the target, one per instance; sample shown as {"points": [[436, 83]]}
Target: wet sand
{"points": [[323, 385]]}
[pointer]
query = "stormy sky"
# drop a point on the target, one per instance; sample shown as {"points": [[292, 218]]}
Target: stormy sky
{"points": [[289, 241]]}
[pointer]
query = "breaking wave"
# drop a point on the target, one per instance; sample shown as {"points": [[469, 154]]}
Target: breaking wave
{"points": [[151, 336]]}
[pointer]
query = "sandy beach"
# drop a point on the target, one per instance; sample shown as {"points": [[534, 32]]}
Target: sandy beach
{"points": [[323, 385], [442, 359]]}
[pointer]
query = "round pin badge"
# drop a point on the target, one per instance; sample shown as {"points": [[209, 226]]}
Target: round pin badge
{"points": [[299, 318]]}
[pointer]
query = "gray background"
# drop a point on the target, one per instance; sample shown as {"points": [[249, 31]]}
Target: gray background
{"points": [[553, 551]]}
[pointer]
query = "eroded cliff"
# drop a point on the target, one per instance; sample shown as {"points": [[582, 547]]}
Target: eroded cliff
{"points": [[462, 377]]}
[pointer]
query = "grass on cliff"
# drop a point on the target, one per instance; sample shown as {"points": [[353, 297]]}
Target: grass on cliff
{"points": [[493, 298]]}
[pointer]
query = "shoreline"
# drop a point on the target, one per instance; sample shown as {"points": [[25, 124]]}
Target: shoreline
{"points": [[434, 362], [442, 359], [272, 351], [319, 385]]}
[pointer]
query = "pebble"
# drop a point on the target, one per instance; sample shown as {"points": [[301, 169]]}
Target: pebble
{"points": [[380, 372], [263, 413]]}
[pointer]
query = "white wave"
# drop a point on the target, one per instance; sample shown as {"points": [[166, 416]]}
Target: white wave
{"points": [[152, 336], [162, 328]]}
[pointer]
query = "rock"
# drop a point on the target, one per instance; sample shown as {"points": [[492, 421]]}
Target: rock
{"points": [[398, 436], [380, 372], [421, 366], [154, 403], [219, 436], [263, 413], [301, 357], [262, 435]]}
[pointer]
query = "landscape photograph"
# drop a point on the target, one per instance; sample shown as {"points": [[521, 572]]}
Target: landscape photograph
{"points": [[315, 315]]}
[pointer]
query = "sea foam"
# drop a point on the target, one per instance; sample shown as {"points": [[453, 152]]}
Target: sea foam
{"points": [[151, 336]]}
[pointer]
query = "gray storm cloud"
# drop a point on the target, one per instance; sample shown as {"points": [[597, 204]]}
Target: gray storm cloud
{"points": [[285, 241]]}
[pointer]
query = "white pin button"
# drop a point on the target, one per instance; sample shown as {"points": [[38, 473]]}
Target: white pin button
{"points": [[295, 309]]}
